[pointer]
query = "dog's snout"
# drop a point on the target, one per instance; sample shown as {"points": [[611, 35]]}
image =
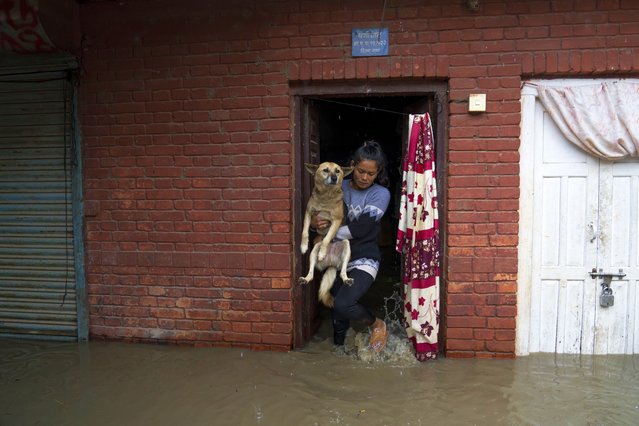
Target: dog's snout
{"points": [[333, 179]]}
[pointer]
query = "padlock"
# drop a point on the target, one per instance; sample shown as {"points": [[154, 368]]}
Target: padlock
{"points": [[607, 298]]}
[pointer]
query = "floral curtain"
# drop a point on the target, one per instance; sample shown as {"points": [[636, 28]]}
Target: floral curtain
{"points": [[418, 239], [602, 118]]}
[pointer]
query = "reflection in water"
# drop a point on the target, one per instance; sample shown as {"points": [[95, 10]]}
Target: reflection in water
{"points": [[132, 384]]}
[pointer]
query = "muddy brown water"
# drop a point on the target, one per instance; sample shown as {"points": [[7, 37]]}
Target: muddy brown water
{"points": [[107, 383]]}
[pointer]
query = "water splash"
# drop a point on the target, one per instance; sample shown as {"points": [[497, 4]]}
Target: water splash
{"points": [[398, 349], [394, 307]]}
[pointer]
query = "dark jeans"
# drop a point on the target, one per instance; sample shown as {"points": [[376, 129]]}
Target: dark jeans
{"points": [[347, 306]]}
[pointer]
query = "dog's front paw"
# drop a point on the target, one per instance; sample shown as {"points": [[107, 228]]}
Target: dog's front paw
{"points": [[304, 248], [348, 281], [302, 280]]}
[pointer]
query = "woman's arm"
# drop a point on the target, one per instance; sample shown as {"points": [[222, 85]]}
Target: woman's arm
{"points": [[371, 214]]}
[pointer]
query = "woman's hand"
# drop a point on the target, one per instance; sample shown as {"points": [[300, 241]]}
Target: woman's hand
{"points": [[319, 223]]}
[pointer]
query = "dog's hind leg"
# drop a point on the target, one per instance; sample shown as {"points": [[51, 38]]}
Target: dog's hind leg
{"points": [[324, 292], [346, 256], [311, 268]]}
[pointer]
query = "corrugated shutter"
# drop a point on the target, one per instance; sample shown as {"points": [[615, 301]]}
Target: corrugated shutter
{"points": [[37, 273]]}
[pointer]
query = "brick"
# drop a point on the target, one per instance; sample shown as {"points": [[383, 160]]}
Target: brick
{"points": [[465, 345], [504, 240], [483, 265], [242, 337], [275, 316], [501, 346], [508, 323], [240, 316], [506, 311], [282, 283], [452, 352], [278, 339], [501, 299], [167, 313], [459, 265], [281, 306], [459, 310], [483, 334], [460, 333], [483, 288], [469, 241], [467, 321]]}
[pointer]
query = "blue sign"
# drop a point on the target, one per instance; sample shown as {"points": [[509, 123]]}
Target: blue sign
{"points": [[370, 42]]}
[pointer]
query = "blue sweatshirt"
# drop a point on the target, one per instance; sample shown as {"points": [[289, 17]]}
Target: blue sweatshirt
{"points": [[363, 223]]}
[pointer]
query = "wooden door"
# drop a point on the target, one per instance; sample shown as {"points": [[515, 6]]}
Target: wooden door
{"points": [[585, 216], [306, 306]]}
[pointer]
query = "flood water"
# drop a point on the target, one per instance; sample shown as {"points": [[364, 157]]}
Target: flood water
{"points": [[106, 383]]}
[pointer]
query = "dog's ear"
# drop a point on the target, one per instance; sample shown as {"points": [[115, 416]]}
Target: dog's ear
{"points": [[312, 168], [348, 170]]}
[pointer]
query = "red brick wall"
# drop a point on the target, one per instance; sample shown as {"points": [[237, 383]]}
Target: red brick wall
{"points": [[187, 146]]}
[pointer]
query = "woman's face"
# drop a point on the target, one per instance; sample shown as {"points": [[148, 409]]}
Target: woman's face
{"points": [[364, 174]]}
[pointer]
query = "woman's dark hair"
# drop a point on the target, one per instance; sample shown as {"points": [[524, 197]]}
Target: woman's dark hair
{"points": [[372, 150]]}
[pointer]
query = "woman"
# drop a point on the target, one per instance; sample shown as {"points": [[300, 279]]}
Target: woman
{"points": [[366, 198]]}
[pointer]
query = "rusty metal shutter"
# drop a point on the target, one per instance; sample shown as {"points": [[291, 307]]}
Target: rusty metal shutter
{"points": [[37, 270]]}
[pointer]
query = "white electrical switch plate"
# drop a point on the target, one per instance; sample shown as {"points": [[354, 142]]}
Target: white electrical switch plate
{"points": [[477, 102]]}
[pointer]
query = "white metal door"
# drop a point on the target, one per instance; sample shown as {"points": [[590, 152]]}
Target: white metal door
{"points": [[584, 215]]}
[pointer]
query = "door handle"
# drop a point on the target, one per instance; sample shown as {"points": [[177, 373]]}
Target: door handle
{"points": [[593, 232]]}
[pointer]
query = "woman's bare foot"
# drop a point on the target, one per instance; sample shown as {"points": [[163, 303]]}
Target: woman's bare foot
{"points": [[379, 335]]}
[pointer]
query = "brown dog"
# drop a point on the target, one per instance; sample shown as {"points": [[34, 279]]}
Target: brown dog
{"points": [[327, 202]]}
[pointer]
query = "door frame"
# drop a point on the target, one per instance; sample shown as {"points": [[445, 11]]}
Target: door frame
{"points": [[526, 216], [301, 92]]}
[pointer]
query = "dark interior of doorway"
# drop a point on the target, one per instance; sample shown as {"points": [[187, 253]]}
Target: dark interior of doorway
{"points": [[344, 124]]}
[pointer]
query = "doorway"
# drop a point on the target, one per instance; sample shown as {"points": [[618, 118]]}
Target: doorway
{"points": [[331, 122]]}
